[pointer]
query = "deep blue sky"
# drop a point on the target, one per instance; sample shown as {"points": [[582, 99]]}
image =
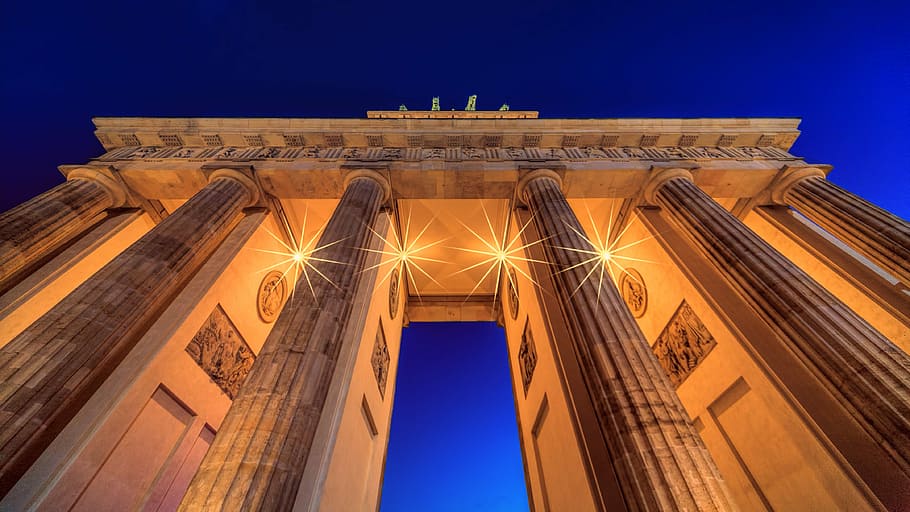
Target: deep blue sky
{"points": [[454, 439], [842, 67]]}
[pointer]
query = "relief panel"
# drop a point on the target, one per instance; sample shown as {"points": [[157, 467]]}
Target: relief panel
{"points": [[527, 357], [221, 352], [683, 344], [380, 360]]}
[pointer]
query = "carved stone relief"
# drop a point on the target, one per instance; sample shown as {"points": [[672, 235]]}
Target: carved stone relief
{"points": [[634, 292], [272, 291], [683, 344], [290, 153], [513, 293], [393, 293], [380, 360], [527, 357], [221, 352]]}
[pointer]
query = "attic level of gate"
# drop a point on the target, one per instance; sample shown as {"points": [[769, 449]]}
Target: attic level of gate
{"points": [[452, 114]]}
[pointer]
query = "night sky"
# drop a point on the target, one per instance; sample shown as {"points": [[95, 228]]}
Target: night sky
{"points": [[844, 69]]}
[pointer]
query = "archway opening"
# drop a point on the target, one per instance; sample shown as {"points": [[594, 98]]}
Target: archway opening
{"points": [[454, 440]]}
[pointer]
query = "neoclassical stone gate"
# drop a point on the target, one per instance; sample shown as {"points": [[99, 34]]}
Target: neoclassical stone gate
{"points": [[208, 315]]}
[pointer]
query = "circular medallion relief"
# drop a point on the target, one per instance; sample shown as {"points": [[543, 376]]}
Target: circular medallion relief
{"points": [[393, 293], [272, 291], [633, 291], [513, 293]]}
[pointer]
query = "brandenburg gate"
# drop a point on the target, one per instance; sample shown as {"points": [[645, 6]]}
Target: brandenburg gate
{"points": [[208, 315]]}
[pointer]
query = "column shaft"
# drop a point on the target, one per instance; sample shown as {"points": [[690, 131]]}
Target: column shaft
{"points": [[878, 234], [867, 374], [259, 455], [661, 462], [35, 228], [49, 371]]}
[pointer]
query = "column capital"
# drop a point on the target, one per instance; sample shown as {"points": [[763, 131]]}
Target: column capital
{"points": [[533, 175], [240, 176], [789, 177], [659, 177], [373, 175], [116, 191]]}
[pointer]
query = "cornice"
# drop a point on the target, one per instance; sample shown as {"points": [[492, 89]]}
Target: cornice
{"points": [[116, 132]]}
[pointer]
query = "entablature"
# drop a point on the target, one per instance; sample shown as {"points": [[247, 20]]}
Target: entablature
{"points": [[445, 133]]}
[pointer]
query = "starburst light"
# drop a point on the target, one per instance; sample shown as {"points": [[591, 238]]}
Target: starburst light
{"points": [[501, 253], [405, 254], [299, 256], [604, 254]]}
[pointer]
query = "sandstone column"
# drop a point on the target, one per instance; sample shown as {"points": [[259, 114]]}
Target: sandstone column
{"points": [[879, 235], [661, 462], [864, 371], [35, 228], [260, 453], [52, 368]]}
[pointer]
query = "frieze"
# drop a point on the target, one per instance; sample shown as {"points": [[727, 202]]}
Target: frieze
{"points": [[283, 153], [683, 344], [221, 352]]}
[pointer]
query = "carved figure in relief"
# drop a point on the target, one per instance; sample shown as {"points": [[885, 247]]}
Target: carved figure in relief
{"points": [[310, 152], [272, 291], [634, 152], [391, 153], [268, 153], [472, 153], [144, 152], [393, 293], [380, 360], [513, 292], [228, 153], [221, 352], [683, 344], [633, 291], [527, 358], [515, 153], [596, 153], [434, 154]]}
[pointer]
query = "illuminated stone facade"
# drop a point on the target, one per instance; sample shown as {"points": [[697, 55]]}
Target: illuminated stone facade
{"points": [[696, 318]]}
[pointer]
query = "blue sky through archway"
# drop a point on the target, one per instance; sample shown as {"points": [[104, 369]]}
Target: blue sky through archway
{"points": [[453, 444]]}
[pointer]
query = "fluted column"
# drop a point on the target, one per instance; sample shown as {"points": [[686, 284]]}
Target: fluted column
{"points": [[864, 371], [35, 228], [52, 368], [876, 233], [259, 455], [661, 462]]}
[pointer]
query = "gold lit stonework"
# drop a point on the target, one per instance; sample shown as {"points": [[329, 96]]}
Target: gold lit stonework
{"points": [[634, 292], [272, 292], [778, 364]]}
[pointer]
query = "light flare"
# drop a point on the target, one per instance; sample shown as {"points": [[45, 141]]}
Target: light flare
{"points": [[405, 254], [300, 255], [501, 253], [604, 254]]}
